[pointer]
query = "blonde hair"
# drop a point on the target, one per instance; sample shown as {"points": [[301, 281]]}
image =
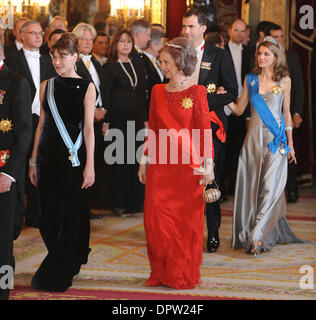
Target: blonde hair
{"points": [[280, 67], [80, 27]]}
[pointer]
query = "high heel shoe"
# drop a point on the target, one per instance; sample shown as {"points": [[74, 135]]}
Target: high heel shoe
{"points": [[255, 249]]}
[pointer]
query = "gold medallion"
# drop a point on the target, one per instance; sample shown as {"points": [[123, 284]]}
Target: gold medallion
{"points": [[277, 89], [187, 103], [211, 88], [5, 125]]}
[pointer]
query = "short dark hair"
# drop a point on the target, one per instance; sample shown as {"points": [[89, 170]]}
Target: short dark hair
{"points": [[273, 26], [184, 54], [112, 50], [264, 26], [56, 31], [67, 42], [213, 38], [100, 34], [99, 25], [202, 18]]}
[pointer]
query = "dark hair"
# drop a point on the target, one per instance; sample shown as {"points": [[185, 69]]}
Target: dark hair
{"points": [[184, 54], [99, 25], [213, 38], [67, 42], [273, 26], [56, 31], [264, 26], [202, 18], [112, 50], [100, 34]]}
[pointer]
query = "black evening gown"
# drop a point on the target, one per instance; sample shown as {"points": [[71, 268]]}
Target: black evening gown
{"points": [[124, 104], [64, 210]]}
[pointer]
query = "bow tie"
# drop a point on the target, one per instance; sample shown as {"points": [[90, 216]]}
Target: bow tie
{"points": [[32, 54]]}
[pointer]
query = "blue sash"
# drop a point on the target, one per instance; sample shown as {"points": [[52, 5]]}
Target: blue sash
{"points": [[73, 148], [267, 117]]}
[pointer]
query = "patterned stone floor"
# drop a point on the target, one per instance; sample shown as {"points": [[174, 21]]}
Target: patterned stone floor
{"points": [[118, 260]]}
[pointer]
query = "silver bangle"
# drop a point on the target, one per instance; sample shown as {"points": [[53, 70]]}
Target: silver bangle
{"points": [[209, 161], [32, 163], [288, 128]]}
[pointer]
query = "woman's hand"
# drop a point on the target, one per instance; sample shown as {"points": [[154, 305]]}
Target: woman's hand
{"points": [[208, 174], [142, 172], [33, 175], [88, 176], [105, 128], [291, 154]]}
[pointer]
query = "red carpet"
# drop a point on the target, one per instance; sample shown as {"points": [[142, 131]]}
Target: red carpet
{"points": [[27, 293]]}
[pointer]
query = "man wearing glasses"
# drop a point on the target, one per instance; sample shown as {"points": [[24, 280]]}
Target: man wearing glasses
{"points": [[35, 68]]}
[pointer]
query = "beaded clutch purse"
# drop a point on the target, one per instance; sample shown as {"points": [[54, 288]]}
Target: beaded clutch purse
{"points": [[212, 194]]}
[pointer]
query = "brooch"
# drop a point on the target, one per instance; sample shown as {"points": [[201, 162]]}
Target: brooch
{"points": [[2, 93], [211, 88], [187, 103], [283, 151], [252, 83], [206, 65], [277, 89], [5, 125], [4, 156]]}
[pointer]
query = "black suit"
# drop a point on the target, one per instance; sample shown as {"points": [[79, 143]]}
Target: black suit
{"points": [[16, 107], [18, 63], [10, 50], [236, 125], [221, 73], [97, 190], [296, 106]]}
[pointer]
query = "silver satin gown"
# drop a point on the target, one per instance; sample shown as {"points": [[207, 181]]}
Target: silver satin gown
{"points": [[259, 201]]}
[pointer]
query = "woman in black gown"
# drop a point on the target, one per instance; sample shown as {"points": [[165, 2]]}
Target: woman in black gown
{"points": [[64, 212], [125, 104]]}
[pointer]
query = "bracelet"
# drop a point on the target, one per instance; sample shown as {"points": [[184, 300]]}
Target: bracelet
{"points": [[102, 109], [288, 128], [209, 161], [32, 163]]}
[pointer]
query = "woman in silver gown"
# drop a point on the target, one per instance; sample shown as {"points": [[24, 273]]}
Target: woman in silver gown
{"points": [[259, 220]]}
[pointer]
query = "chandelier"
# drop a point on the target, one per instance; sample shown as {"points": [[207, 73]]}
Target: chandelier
{"points": [[129, 8], [19, 6]]}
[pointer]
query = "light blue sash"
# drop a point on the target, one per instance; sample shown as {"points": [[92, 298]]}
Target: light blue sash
{"points": [[73, 148], [267, 117]]}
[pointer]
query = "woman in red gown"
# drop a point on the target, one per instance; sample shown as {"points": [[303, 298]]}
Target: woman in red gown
{"points": [[174, 205]]}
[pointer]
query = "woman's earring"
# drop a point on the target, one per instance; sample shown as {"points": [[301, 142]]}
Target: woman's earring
{"points": [[75, 67]]}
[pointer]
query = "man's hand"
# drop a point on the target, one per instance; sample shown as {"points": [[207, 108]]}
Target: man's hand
{"points": [[5, 183], [99, 115], [297, 120]]}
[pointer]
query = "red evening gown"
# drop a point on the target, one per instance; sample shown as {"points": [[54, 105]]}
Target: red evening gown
{"points": [[174, 205]]}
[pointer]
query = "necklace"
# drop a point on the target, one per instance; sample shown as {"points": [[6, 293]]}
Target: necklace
{"points": [[180, 84], [133, 84]]}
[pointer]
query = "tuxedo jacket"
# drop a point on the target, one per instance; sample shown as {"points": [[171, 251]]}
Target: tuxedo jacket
{"points": [[16, 107], [297, 84], [83, 72], [217, 68], [17, 62], [9, 50]]}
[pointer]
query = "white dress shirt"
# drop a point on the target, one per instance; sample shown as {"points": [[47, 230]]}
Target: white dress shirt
{"points": [[236, 51], [18, 45], [94, 75], [196, 74], [33, 61]]}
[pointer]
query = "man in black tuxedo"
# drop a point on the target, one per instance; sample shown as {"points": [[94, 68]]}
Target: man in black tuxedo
{"points": [[242, 58], [214, 68], [141, 32], [35, 68], [296, 104], [15, 138], [17, 45], [89, 68], [150, 54]]}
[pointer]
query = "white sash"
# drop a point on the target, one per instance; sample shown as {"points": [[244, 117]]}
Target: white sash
{"points": [[73, 148]]}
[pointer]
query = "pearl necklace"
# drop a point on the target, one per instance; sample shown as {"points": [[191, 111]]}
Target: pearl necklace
{"points": [[180, 84], [133, 84]]}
